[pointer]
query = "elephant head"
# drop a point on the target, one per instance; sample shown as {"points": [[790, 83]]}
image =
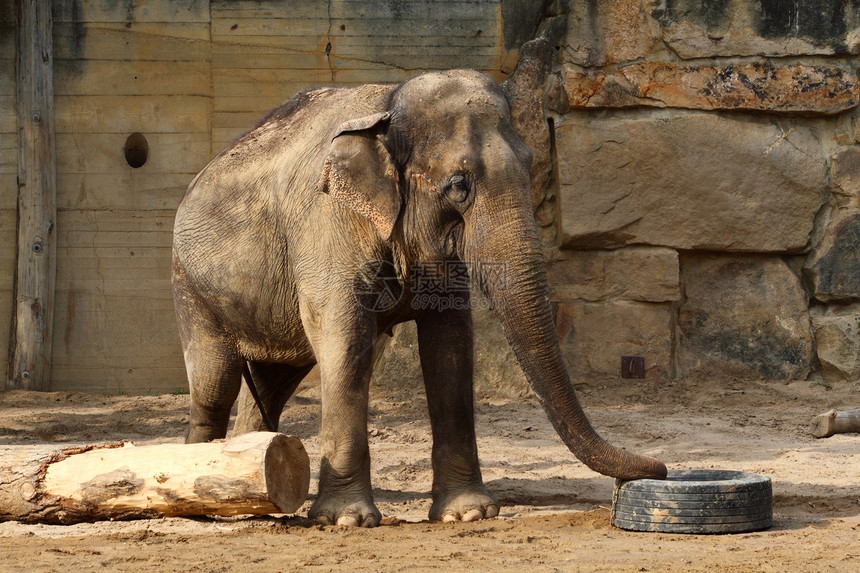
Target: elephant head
{"points": [[442, 173]]}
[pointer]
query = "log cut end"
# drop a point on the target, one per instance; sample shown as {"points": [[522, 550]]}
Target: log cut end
{"points": [[288, 475], [833, 422], [822, 424]]}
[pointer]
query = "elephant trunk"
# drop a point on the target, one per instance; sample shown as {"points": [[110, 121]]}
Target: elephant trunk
{"points": [[514, 278]]}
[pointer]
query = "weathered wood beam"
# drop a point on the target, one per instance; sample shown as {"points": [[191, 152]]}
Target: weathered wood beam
{"points": [[30, 347], [256, 474]]}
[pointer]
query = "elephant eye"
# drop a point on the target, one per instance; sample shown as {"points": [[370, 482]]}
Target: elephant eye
{"points": [[458, 188]]}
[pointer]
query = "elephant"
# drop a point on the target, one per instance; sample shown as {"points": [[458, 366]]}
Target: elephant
{"points": [[327, 224]]}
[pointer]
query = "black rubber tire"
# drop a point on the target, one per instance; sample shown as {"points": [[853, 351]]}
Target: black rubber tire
{"points": [[695, 501]]}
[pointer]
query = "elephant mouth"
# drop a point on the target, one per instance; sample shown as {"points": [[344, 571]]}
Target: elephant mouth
{"points": [[452, 239]]}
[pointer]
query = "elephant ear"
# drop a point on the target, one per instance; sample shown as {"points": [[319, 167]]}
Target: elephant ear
{"points": [[359, 172]]}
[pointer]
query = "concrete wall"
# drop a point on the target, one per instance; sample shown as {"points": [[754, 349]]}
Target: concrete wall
{"points": [[696, 177], [190, 76]]}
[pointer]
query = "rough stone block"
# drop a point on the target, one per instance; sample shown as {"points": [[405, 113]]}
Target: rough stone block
{"points": [[689, 181], [846, 178], [497, 371], [496, 366], [695, 29], [605, 32], [745, 316], [837, 339], [834, 267], [398, 364], [856, 127], [645, 274], [525, 90], [758, 86], [594, 337]]}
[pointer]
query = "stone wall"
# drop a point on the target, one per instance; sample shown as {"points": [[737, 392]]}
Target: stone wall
{"points": [[697, 183], [696, 177], [708, 171]]}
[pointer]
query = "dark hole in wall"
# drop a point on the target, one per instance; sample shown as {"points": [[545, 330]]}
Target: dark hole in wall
{"points": [[821, 21], [136, 150]]}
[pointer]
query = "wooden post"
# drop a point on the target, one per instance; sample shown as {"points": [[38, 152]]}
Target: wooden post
{"points": [[30, 347], [253, 474]]}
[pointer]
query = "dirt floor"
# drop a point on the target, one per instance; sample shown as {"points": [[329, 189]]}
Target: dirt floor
{"points": [[556, 511]]}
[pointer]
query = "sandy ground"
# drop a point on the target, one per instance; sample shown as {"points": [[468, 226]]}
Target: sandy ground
{"points": [[556, 511]]}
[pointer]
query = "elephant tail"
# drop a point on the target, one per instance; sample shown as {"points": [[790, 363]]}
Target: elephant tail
{"points": [[252, 388]]}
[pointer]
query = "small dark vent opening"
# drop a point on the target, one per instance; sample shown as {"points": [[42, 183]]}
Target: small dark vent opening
{"points": [[136, 150]]}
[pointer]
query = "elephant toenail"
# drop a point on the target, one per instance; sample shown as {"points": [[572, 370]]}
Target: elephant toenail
{"points": [[323, 520], [370, 521], [492, 511], [350, 520], [449, 518], [473, 515]]}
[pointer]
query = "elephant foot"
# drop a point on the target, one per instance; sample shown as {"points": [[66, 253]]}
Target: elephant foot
{"points": [[468, 504], [334, 510]]}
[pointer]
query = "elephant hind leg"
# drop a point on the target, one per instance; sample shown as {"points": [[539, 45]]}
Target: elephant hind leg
{"points": [[275, 384], [214, 374], [212, 363]]}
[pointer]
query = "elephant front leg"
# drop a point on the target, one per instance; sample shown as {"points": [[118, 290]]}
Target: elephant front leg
{"points": [[445, 343], [344, 352]]}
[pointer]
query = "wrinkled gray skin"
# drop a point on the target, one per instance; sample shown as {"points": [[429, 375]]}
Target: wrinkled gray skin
{"points": [[277, 234]]}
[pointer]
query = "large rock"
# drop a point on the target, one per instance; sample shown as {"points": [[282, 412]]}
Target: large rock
{"points": [[834, 268], [846, 178], [689, 181], [757, 86], [696, 29], [525, 90], [837, 340], [605, 32], [595, 324], [743, 315], [397, 363], [856, 127], [612, 31], [496, 368], [645, 274], [594, 337]]}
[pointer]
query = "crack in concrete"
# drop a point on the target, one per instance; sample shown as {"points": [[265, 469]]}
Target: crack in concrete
{"points": [[328, 43]]}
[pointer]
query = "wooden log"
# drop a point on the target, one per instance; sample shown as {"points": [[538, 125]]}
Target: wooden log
{"points": [[834, 422], [256, 474], [30, 348]]}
